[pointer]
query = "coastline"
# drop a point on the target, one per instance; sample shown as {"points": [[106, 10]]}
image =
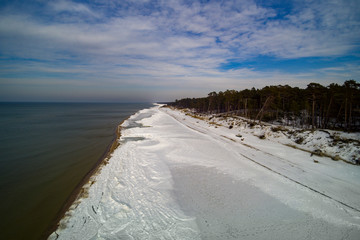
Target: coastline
{"points": [[81, 190], [178, 176], [60, 144]]}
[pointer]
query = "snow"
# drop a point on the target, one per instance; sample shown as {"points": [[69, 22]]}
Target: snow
{"points": [[176, 176]]}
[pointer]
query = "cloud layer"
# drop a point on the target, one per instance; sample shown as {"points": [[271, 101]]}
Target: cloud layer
{"points": [[115, 50]]}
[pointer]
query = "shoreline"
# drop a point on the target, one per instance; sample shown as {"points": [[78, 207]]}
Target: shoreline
{"points": [[81, 189], [200, 181]]}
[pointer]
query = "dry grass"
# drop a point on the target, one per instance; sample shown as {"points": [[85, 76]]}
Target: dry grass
{"points": [[322, 154], [215, 123], [195, 116]]}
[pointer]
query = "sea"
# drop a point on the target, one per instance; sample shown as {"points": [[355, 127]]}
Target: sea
{"points": [[46, 150]]}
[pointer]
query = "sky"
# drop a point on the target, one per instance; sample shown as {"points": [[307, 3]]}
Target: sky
{"points": [[162, 50]]}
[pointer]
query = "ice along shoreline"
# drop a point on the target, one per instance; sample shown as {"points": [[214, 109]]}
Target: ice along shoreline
{"points": [[170, 164], [81, 190]]}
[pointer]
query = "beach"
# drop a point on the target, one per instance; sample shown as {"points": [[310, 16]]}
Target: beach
{"points": [[47, 152], [174, 176]]}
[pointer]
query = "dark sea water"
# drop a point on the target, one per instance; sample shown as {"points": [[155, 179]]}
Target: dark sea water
{"points": [[46, 149]]}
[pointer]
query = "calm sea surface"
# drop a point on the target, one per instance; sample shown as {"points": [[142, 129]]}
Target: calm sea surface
{"points": [[46, 149]]}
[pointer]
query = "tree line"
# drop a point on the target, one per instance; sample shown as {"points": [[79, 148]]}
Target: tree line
{"points": [[332, 107]]}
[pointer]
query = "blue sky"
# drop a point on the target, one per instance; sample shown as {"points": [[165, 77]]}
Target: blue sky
{"points": [[164, 50]]}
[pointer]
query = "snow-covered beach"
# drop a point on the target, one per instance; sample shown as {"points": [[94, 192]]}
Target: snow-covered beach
{"points": [[179, 177]]}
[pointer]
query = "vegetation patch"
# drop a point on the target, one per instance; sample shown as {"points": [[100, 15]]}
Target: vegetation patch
{"points": [[277, 129], [338, 140], [195, 116], [314, 107], [317, 152], [215, 123], [299, 140], [262, 136]]}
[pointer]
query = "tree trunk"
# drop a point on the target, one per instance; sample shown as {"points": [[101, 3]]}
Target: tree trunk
{"points": [[261, 112], [328, 112], [350, 110], [313, 112], [346, 113], [246, 115], [339, 114]]}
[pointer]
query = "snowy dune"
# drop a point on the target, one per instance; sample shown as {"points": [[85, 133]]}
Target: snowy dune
{"points": [[178, 177]]}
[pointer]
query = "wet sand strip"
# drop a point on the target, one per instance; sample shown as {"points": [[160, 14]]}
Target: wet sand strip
{"points": [[81, 191]]}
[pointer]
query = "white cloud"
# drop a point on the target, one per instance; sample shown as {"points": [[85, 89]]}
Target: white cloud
{"points": [[72, 7], [175, 44], [246, 32]]}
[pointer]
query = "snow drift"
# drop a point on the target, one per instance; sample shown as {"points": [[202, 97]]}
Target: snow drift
{"points": [[179, 177]]}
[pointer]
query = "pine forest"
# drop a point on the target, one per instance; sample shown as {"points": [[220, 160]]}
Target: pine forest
{"points": [[331, 107]]}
